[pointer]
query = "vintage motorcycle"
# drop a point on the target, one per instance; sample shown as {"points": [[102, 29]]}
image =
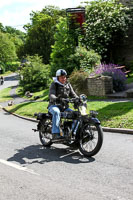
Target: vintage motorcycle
{"points": [[79, 128]]}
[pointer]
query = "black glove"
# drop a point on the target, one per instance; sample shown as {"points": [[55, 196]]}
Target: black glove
{"points": [[61, 100], [77, 100], [64, 100]]}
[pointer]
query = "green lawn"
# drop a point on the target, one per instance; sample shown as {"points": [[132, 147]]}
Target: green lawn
{"points": [[43, 94], [5, 94]]}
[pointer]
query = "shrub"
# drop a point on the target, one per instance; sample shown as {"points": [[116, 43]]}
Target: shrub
{"points": [[117, 75], [78, 81], [12, 66], [34, 74], [83, 59]]}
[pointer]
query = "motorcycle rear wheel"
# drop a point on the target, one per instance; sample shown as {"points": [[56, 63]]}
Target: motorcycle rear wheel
{"points": [[43, 132], [91, 140]]}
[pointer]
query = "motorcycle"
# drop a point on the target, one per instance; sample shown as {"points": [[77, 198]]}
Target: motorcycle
{"points": [[78, 128], [1, 80]]}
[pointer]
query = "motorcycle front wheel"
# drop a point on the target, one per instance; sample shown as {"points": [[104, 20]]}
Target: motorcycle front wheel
{"points": [[91, 140], [44, 134]]}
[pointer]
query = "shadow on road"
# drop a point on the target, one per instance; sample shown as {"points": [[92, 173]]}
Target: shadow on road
{"points": [[12, 77], [38, 154]]}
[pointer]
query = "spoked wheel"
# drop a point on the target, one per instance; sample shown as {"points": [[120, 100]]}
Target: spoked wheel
{"points": [[45, 133], [92, 139]]}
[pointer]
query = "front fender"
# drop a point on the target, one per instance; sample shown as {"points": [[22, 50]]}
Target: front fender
{"points": [[94, 120]]}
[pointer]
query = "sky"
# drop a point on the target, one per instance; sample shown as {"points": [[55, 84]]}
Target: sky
{"points": [[16, 13]]}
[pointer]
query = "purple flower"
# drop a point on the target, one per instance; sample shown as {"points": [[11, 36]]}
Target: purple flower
{"points": [[117, 75], [110, 69]]}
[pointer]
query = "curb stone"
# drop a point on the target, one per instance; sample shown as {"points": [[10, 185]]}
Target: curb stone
{"points": [[105, 129], [118, 130], [19, 116]]}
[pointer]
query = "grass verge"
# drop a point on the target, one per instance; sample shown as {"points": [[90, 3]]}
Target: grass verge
{"points": [[43, 95], [28, 109], [6, 73], [5, 94]]}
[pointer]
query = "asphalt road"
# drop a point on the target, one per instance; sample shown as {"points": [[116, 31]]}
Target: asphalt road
{"points": [[30, 171], [10, 80]]}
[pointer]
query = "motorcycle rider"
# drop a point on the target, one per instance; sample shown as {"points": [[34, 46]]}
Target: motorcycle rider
{"points": [[60, 90]]}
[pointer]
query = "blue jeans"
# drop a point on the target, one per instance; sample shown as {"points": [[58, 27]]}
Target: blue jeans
{"points": [[54, 110]]}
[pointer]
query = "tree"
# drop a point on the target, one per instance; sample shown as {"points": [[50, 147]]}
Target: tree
{"points": [[1, 27], [40, 38], [63, 47], [107, 23], [67, 55], [7, 48], [16, 36], [51, 11], [40, 33]]}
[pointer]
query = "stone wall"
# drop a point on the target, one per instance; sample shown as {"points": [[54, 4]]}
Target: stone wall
{"points": [[99, 86]]}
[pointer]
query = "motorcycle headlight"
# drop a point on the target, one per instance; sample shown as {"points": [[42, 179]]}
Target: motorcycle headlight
{"points": [[83, 110]]}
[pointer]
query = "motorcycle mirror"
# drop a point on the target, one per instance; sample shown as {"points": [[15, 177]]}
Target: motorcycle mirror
{"points": [[83, 97]]}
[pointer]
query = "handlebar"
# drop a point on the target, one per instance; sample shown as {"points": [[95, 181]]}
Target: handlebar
{"points": [[77, 101], [72, 100]]}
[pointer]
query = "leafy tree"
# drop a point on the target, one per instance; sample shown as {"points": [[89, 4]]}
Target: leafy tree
{"points": [[40, 33], [14, 32], [51, 11], [65, 54], [107, 23], [1, 27], [7, 48], [40, 38], [16, 36], [11, 30], [63, 47], [18, 42]]}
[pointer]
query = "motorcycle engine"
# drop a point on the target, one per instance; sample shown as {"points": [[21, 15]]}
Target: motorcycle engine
{"points": [[67, 128]]}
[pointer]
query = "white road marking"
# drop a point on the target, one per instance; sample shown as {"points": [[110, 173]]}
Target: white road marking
{"points": [[18, 167]]}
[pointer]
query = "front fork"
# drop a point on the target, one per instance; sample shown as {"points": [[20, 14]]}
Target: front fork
{"points": [[91, 121]]}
